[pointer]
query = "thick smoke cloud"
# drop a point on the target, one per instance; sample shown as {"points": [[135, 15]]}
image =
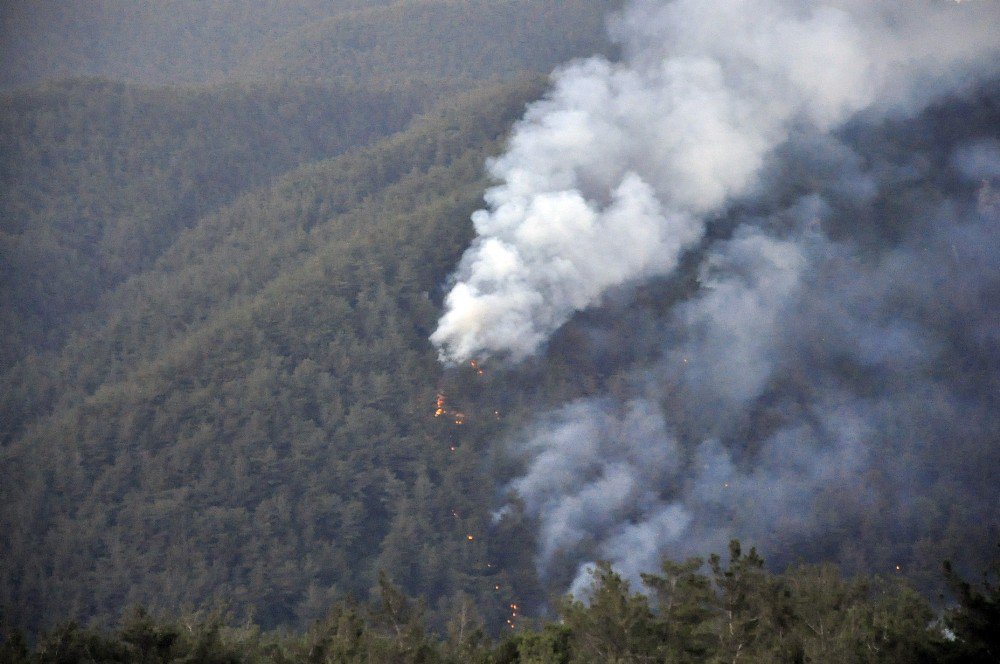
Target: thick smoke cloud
{"points": [[808, 396], [828, 388], [611, 178]]}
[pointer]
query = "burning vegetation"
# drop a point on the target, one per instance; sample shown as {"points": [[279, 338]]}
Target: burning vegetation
{"points": [[441, 410]]}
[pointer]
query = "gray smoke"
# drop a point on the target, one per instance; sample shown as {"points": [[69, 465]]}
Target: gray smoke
{"points": [[827, 388], [611, 177], [805, 392]]}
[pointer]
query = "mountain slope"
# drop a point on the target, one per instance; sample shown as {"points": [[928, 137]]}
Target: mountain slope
{"points": [[183, 41], [191, 41], [267, 434], [99, 178], [439, 39]]}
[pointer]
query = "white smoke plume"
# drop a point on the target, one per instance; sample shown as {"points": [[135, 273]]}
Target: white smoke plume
{"points": [[827, 389], [613, 176]]}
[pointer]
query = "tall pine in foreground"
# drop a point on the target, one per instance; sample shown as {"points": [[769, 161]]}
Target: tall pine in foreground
{"points": [[688, 612]]}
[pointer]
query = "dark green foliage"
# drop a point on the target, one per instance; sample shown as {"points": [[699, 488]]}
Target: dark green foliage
{"points": [[99, 179], [737, 612], [143, 640], [165, 41], [205, 41], [216, 382], [975, 621], [255, 419], [551, 645], [13, 648], [684, 600], [740, 612], [614, 626], [755, 609], [472, 39]]}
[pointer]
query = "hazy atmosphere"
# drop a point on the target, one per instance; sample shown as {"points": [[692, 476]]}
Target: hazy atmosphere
{"points": [[811, 307], [471, 331]]}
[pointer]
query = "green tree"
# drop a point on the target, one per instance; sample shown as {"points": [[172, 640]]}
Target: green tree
{"points": [[975, 621], [614, 625], [685, 605], [754, 609]]}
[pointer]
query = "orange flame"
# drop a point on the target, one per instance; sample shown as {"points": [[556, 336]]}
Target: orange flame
{"points": [[441, 409], [475, 367]]}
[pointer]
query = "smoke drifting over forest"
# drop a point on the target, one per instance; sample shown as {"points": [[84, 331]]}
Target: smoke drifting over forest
{"points": [[828, 385]]}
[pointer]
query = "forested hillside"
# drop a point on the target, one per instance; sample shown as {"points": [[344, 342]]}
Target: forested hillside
{"points": [[473, 39], [735, 610], [188, 41], [166, 248], [229, 230], [99, 178], [172, 41], [285, 333]]}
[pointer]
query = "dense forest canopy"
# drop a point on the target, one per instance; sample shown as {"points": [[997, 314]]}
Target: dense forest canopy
{"points": [[230, 230], [734, 611], [166, 247], [173, 41], [100, 178]]}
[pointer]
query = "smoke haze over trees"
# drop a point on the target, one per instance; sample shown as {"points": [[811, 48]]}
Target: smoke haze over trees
{"points": [[735, 277], [374, 42], [833, 364]]}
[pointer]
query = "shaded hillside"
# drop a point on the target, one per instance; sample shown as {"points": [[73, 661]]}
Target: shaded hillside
{"points": [[168, 296], [731, 611], [99, 178], [157, 42], [217, 385], [256, 420], [432, 39], [187, 41]]}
